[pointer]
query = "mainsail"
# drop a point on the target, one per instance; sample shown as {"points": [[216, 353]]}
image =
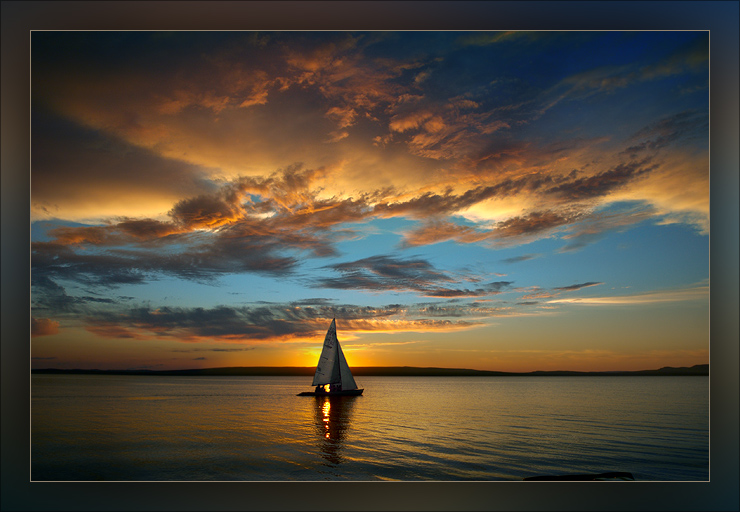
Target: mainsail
{"points": [[333, 367]]}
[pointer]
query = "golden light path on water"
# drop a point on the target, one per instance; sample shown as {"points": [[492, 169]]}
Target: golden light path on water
{"points": [[325, 410]]}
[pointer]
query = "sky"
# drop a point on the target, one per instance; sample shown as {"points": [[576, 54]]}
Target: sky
{"points": [[512, 201]]}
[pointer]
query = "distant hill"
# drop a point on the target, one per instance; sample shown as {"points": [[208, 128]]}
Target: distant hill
{"points": [[384, 371]]}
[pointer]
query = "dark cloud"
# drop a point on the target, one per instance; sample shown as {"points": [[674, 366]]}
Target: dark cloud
{"points": [[313, 302], [204, 211], [94, 235], [532, 296], [394, 268], [386, 273], [147, 229], [354, 313], [382, 273], [73, 163], [51, 297], [512, 230], [538, 293], [456, 308], [531, 224], [523, 257], [229, 323], [594, 227], [145, 232], [239, 349], [445, 310], [53, 260], [603, 183], [483, 291], [426, 203], [682, 127], [256, 323], [284, 321], [201, 257], [575, 287], [233, 251], [431, 203], [88, 298]]}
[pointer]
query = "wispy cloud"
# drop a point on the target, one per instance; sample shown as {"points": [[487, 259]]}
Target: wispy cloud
{"points": [[602, 183], [386, 273], [213, 349], [523, 257], [575, 287], [693, 57], [595, 226], [685, 125], [280, 322], [699, 293]]}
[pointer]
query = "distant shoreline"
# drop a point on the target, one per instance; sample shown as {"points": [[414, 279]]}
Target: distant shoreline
{"points": [[384, 371]]}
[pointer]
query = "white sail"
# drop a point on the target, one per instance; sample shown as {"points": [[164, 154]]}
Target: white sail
{"points": [[333, 367], [327, 371], [348, 381]]}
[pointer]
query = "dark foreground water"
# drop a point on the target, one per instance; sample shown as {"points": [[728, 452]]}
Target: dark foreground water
{"points": [[139, 428]]}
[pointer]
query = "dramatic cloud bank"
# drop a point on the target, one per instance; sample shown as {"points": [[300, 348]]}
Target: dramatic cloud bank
{"points": [[241, 186]]}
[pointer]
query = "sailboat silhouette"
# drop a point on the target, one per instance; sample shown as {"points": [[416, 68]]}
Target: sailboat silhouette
{"points": [[333, 376]]}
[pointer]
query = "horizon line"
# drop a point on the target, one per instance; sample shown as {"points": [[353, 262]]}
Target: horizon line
{"points": [[697, 369]]}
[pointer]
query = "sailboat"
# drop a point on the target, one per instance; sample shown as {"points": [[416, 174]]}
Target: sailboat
{"points": [[333, 376]]}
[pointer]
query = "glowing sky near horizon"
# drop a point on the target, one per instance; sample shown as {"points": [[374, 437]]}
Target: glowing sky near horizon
{"points": [[510, 201]]}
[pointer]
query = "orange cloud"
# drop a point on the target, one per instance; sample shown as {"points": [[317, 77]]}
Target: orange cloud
{"points": [[204, 138], [44, 327], [402, 123], [114, 331], [436, 231]]}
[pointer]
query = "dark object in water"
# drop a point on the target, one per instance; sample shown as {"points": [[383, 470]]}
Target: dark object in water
{"points": [[605, 477], [344, 392]]}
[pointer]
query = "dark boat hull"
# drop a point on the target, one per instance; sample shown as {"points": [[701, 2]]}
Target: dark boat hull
{"points": [[349, 392]]}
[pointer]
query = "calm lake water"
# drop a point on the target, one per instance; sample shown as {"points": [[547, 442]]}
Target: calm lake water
{"points": [[140, 428]]}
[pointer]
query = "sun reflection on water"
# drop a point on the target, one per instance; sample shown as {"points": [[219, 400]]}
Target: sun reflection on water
{"points": [[333, 421], [325, 410]]}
